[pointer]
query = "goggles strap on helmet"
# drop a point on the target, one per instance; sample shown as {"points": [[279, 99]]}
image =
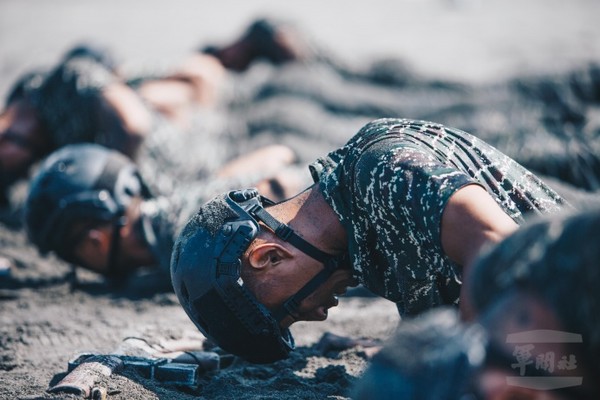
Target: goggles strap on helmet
{"points": [[287, 234], [115, 272]]}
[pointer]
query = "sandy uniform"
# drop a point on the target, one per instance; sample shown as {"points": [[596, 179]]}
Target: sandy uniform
{"points": [[389, 185]]}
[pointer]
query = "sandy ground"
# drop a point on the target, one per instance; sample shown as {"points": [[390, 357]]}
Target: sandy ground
{"points": [[45, 319]]}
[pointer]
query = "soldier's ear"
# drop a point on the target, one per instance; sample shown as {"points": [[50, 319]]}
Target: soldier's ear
{"points": [[267, 255], [93, 249], [99, 240], [94, 245]]}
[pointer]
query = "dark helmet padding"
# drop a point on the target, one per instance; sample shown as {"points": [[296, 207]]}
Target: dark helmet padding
{"points": [[75, 182]]}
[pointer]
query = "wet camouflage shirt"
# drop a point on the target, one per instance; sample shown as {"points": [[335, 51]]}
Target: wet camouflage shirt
{"points": [[389, 185], [70, 105]]}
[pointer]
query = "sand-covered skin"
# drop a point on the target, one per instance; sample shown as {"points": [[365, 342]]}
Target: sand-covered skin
{"points": [[45, 319]]}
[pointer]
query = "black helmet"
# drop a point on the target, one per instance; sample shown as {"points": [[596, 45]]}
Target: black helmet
{"points": [[78, 181], [205, 272]]}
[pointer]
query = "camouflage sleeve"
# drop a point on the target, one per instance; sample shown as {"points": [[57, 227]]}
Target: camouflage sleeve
{"points": [[408, 185]]}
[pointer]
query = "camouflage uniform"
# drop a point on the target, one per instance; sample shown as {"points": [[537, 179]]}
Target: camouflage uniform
{"points": [[70, 105], [389, 185], [72, 109], [170, 157]]}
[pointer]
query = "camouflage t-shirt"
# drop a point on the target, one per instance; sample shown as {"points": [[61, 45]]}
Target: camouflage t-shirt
{"points": [[70, 105], [389, 185]]}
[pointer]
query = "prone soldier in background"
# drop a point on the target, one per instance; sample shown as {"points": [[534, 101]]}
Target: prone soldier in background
{"points": [[85, 98], [90, 206]]}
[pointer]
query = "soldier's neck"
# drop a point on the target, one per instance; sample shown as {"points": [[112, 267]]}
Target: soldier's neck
{"points": [[313, 218]]}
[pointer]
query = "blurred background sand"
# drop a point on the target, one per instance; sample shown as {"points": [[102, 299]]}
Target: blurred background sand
{"points": [[471, 40]]}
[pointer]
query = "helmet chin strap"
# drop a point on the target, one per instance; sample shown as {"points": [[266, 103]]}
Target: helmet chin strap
{"points": [[115, 272], [284, 232]]}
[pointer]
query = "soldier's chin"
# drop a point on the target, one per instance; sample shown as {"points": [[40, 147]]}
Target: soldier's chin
{"points": [[321, 314]]}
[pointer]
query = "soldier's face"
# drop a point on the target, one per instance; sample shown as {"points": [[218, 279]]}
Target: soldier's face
{"points": [[316, 306], [533, 340], [92, 250], [95, 245], [292, 274]]}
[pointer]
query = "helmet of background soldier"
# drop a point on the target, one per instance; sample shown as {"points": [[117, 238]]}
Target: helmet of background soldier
{"points": [[82, 181]]}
